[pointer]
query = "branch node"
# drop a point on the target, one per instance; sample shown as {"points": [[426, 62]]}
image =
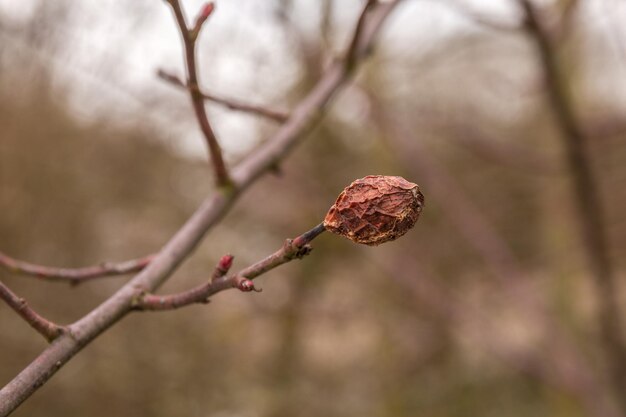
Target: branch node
{"points": [[275, 115], [303, 251], [48, 329], [246, 285], [189, 40]]}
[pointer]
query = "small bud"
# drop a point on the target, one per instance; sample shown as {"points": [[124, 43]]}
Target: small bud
{"points": [[247, 285], [225, 263], [375, 209], [204, 14], [206, 11]]}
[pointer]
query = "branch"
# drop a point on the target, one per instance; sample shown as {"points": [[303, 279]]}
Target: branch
{"points": [[271, 114], [292, 249], [180, 246], [46, 328], [587, 196], [74, 275], [353, 49], [189, 42]]}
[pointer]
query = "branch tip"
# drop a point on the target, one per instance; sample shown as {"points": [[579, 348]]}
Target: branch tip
{"points": [[48, 329], [170, 78], [74, 275], [222, 267], [226, 262], [204, 14]]}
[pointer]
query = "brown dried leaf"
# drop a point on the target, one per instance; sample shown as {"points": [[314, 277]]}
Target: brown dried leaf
{"points": [[375, 209]]}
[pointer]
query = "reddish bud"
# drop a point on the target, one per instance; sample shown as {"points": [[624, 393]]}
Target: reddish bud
{"points": [[225, 263], [204, 14], [375, 209], [206, 11], [247, 285]]}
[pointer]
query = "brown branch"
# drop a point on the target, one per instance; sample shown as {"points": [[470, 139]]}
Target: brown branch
{"points": [[278, 116], [189, 42], [46, 328], [146, 301], [587, 195], [74, 275], [292, 249], [353, 49], [180, 246]]}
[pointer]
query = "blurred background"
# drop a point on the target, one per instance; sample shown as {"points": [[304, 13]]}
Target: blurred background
{"points": [[489, 307]]}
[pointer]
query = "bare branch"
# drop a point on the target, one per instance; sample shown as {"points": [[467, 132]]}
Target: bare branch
{"points": [[180, 246], [310, 109], [46, 328], [204, 14], [292, 249], [352, 52], [278, 116], [189, 41], [74, 275]]}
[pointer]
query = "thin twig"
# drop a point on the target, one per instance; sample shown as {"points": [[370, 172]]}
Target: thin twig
{"points": [[189, 42], [278, 116], [588, 198], [180, 246], [292, 249], [46, 328], [74, 275]]}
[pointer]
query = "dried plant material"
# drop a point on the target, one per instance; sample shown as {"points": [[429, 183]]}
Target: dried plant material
{"points": [[375, 209]]}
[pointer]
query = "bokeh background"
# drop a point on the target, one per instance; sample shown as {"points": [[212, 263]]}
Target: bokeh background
{"points": [[488, 307]]}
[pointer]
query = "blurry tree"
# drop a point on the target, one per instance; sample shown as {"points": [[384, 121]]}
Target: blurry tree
{"points": [[488, 308]]}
